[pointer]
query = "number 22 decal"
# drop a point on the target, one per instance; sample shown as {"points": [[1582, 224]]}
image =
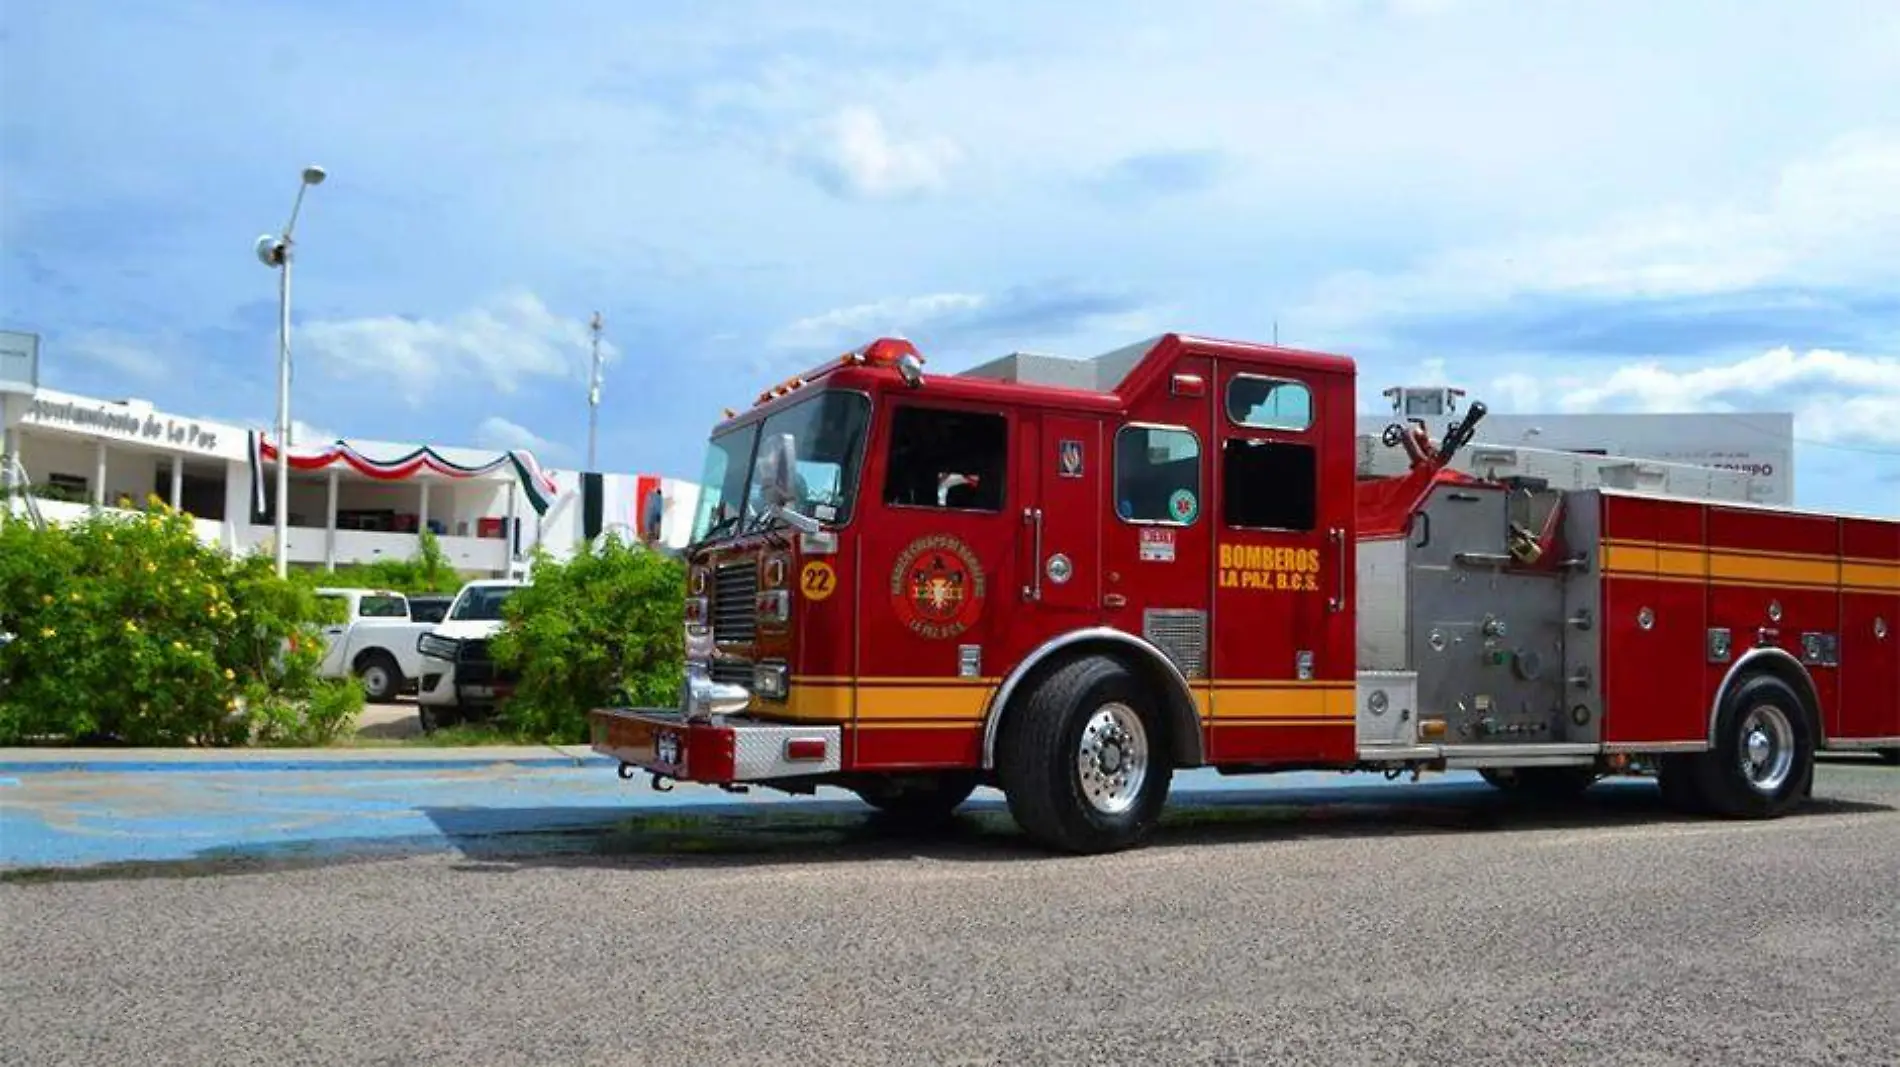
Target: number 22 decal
{"points": [[817, 580]]}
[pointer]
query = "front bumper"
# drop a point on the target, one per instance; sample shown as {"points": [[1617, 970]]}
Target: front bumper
{"points": [[729, 749]]}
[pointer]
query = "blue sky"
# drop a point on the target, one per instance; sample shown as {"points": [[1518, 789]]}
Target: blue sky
{"points": [[1567, 205]]}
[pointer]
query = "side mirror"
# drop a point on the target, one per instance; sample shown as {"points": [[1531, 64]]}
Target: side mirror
{"points": [[652, 517], [777, 481], [781, 466]]}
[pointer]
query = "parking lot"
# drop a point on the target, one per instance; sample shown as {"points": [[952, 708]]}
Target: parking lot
{"points": [[1325, 921]]}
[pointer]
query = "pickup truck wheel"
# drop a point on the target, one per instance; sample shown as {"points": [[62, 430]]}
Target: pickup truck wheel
{"points": [[381, 677], [1084, 761], [435, 717]]}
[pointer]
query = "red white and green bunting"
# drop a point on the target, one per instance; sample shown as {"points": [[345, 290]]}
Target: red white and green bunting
{"points": [[538, 485]]}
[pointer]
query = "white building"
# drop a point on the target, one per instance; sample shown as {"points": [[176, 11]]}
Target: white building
{"points": [[1759, 444], [352, 501]]}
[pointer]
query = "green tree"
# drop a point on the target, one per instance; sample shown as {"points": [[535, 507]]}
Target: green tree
{"points": [[603, 627]]}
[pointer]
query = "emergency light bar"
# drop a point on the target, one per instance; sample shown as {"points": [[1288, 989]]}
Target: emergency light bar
{"points": [[883, 352]]}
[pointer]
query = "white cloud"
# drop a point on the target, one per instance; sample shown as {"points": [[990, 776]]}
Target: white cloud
{"points": [[1836, 397], [852, 153], [883, 318], [499, 433], [1828, 220], [513, 339], [118, 353], [303, 434]]}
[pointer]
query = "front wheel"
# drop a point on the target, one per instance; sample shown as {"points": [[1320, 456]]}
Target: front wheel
{"points": [[1084, 760], [1763, 760]]}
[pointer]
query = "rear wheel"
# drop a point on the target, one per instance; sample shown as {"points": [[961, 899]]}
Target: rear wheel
{"points": [[1542, 784], [1763, 760], [381, 678], [1084, 760], [1676, 778]]}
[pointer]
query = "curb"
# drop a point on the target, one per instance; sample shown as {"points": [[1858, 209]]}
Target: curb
{"points": [[241, 761]]}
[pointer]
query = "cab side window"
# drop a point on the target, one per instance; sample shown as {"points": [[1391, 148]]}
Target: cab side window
{"points": [[1266, 484], [940, 458], [1157, 475]]}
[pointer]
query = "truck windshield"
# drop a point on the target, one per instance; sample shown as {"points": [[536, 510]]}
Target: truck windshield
{"points": [[829, 428], [481, 605]]}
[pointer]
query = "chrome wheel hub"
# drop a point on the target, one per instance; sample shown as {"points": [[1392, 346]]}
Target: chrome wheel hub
{"points": [[1767, 749], [1113, 758]]}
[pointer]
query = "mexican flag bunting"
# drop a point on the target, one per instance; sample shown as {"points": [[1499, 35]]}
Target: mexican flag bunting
{"points": [[537, 483]]}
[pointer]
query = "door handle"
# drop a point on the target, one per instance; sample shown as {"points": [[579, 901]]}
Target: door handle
{"points": [[1033, 590], [1337, 602]]}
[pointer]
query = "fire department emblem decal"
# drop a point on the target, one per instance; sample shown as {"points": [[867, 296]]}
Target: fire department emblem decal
{"points": [[937, 587]]}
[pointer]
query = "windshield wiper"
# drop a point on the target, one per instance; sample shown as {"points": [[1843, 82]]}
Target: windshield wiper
{"points": [[713, 531]]}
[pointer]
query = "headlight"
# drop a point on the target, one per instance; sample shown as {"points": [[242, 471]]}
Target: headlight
{"points": [[435, 647], [769, 680]]}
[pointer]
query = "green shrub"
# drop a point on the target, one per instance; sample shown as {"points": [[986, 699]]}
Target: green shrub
{"points": [[603, 627], [130, 630], [429, 572]]}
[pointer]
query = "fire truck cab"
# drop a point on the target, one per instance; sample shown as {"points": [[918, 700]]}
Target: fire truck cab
{"points": [[1069, 578]]}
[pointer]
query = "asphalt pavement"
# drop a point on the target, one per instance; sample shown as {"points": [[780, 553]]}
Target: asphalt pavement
{"points": [[1342, 924]]}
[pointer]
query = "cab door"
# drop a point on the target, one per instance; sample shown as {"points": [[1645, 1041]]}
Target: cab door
{"points": [[938, 573], [1060, 465], [1283, 648]]}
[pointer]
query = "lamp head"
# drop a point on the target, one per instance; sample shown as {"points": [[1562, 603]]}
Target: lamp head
{"points": [[270, 250], [313, 175]]}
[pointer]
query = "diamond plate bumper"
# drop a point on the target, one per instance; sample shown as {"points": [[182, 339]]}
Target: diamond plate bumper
{"points": [[734, 749]]}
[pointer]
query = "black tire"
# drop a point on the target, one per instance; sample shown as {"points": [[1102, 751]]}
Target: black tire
{"points": [[1890, 756], [1541, 784], [1676, 778], [435, 717], [1043, 738], [919, 800], [1761, 706], [381, 677]]}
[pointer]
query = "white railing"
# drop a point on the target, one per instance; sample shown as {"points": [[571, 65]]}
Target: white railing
{"points": [[14, 482]]}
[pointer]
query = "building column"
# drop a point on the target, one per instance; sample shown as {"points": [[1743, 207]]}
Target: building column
{"points": [[99, 474], [329, 527], [178, 483], [422, 512]]}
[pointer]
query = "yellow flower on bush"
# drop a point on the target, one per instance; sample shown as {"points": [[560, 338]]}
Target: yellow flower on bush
{"points": [[46, 598], [48, 631], [131, 627], [230, 675]]}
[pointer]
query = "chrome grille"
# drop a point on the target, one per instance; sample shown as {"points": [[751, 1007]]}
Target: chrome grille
{"points": [[1181, 635], [731, 672], [735, 611]]}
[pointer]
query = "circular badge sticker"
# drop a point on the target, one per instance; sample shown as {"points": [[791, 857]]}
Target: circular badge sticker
{"points": [[1183, 506], [817, 581], [937, 587]]}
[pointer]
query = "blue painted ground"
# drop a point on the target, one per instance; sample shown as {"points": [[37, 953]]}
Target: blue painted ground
{"points": [[66, 818]]}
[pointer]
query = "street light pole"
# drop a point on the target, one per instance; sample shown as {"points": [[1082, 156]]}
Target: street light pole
{"points": [[275, 252], [593, 396]]}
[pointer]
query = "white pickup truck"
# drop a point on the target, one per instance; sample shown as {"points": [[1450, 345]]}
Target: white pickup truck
{"points": [[459, 676], [376, 642]]}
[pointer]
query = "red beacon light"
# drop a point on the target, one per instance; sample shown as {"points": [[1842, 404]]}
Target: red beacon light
{"points": [[884, 352]]}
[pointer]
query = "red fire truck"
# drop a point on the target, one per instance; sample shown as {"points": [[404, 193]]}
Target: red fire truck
{"points": [[1070, 578]]}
